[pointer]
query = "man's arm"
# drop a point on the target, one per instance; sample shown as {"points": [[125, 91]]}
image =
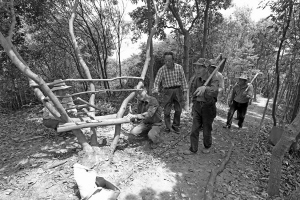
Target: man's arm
{"points": [[157, 80], [153, 106], [183, 79], [213, 89], [232, 94], [221, 83], [250, 91]]}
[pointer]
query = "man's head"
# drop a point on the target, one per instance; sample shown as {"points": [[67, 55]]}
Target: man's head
{"points": [[212, 66], [201, 66], [169, 59], [243, 79], [141, 94]]}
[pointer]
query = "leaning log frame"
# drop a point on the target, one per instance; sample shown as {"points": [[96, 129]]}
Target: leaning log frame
{"points": [[43, 88]]}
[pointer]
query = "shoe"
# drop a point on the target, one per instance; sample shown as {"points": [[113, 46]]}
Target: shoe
{"points": [[227, 126], [167, 130], [188, 152], [153, 145], [175, 129], [240, 127], [205, 151]]}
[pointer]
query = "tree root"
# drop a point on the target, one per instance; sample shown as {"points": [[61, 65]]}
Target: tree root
{"points": [[209, 190]]}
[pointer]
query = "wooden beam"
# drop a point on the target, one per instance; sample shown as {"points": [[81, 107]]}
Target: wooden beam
{"points": [[83, 119], [101, 91], [78, 125], [94, 80]]}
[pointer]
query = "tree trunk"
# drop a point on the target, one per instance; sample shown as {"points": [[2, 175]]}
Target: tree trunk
{"points": [[288, 137], [205, 29], [186, 50], [151, 64], [277, 61]]}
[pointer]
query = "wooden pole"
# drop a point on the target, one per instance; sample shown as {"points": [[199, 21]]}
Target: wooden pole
{"points": [[78, 125]]}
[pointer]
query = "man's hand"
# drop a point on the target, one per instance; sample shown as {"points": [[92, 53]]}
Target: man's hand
{"points": [[229, 103], [200, 91], [154, 91], [131, 117]]}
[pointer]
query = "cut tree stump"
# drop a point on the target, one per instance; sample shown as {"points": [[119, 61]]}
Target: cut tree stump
{"points": [[209, 190]]}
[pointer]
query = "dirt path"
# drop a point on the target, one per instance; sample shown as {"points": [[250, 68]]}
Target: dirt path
{"points": [[25, 172]]}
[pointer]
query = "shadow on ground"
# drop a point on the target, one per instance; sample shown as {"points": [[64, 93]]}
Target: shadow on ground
{"points": [[141, 173]]}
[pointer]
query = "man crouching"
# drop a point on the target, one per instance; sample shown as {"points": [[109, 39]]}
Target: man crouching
{"points": [[149, 113]]}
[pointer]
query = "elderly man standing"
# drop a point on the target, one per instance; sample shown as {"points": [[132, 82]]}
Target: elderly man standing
{"points": [[174, 87], [238, 100], [204, 106]]}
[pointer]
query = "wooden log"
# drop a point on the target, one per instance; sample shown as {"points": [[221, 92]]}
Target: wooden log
{"points": [[83, 119], [94, 80], [83, 101], [77, 107], [78, 125], [100, 91], [209, 190]]}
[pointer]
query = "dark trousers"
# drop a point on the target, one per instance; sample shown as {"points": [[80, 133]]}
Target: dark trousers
{"points": [[241, 109], [203, 116], [172, 97]]}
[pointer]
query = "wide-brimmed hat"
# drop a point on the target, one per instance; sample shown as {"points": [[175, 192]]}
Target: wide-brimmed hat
{"points": [[243, 76], [202, 62], [59, 85], [213, 63]]}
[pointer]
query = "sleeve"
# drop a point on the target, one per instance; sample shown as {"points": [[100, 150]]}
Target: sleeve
{"points": [[221, 83], [250, 91], [213, 89], [158, 79], [183, 79], [153, 106]]}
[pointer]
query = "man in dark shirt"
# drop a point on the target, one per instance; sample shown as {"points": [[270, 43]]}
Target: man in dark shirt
{"points": [[149, 113], [204, 105]]}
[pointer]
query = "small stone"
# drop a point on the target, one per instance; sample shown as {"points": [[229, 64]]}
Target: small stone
{"points": [[8, 191], [183, 195]]}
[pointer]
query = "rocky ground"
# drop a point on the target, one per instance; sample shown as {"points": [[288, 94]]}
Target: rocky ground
{"points": [[37, 163]]}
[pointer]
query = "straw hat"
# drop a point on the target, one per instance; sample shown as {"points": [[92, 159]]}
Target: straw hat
{"points": [[203, 62], [243, 76], [59, 85], [213, 63]]}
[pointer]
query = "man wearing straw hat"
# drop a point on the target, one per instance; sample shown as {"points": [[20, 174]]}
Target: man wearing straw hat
{"points": [[59, 90], [204, 106], [238, 101]]}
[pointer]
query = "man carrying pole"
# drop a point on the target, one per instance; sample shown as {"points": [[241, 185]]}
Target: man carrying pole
{"points": [[204, 90], [238, 101]]}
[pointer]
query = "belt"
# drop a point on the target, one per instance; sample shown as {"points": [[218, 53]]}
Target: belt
{"points": [[173, 87]]}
